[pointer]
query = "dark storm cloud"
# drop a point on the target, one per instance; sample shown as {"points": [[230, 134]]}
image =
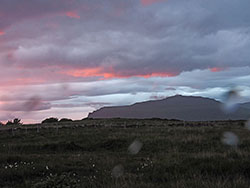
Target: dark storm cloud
{"points": [[13, 11], [27, 106], [165, 37]]}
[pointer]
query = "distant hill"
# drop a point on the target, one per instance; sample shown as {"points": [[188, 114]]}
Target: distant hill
{"points": [[189, 108], [246, 105]]}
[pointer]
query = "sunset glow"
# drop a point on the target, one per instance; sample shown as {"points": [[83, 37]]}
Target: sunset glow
{"points": [[217, 69], [99, 72], [72, 14]]}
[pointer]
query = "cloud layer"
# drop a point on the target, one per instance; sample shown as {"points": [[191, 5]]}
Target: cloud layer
{"points": [[86, 54]]}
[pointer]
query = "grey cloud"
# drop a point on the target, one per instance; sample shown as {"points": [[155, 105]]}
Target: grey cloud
{"points": [[83, 104], [15, 10], [138, 56]]}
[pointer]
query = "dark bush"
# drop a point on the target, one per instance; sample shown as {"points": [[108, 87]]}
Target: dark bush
{"points": [[16, 121], [9, 123], [50, 120], [87, 118], [65, 120]]}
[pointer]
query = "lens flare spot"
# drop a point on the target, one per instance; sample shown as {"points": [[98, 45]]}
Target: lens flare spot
{"points": [[247, 125], [231, 139], [231, 101], [135, 147], [117, 171]]}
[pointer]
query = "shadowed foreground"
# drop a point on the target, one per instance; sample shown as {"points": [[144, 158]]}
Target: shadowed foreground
{"points": [[174, 154]]}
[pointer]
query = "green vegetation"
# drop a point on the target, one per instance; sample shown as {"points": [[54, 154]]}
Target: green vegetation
{"points": [[84, 153]]}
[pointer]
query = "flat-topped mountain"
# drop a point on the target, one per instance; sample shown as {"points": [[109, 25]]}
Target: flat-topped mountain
{"points": [[189, 108]]}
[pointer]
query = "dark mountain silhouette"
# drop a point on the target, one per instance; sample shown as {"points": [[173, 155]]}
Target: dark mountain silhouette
{"points": [[187, 108]]}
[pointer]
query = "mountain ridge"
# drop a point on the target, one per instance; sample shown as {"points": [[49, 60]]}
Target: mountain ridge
{"points": [[190, 108]]}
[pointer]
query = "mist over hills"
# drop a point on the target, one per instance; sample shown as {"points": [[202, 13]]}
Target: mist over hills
{"points": [[189, 108], [246, 105]]}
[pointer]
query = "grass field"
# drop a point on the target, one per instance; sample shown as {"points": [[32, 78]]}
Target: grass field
{"points": [[94, 153]]}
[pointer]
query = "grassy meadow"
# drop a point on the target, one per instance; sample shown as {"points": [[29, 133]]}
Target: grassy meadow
{"points": [[94, 153]]}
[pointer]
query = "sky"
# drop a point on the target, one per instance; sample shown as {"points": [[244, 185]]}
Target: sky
{"points": [[66, 58]]}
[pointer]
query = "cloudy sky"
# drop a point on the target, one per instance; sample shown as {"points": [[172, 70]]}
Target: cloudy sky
{"points": [[66, 58]]}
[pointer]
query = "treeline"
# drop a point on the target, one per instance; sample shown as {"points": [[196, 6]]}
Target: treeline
{"points": [[17, 121], [56, 120]]}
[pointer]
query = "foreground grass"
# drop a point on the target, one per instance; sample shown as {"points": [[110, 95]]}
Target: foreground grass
{"points": [[174, 154]]}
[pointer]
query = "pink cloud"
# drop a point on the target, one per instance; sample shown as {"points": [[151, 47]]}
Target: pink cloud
{"points": [[149, 2], [53, 25], [23, 81], [217, 69], [2, 32], [111, 73], [72, 14]]}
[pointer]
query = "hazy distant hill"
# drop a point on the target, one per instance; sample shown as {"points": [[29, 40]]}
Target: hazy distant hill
{"points": [[176, 107], [246, 105]]}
